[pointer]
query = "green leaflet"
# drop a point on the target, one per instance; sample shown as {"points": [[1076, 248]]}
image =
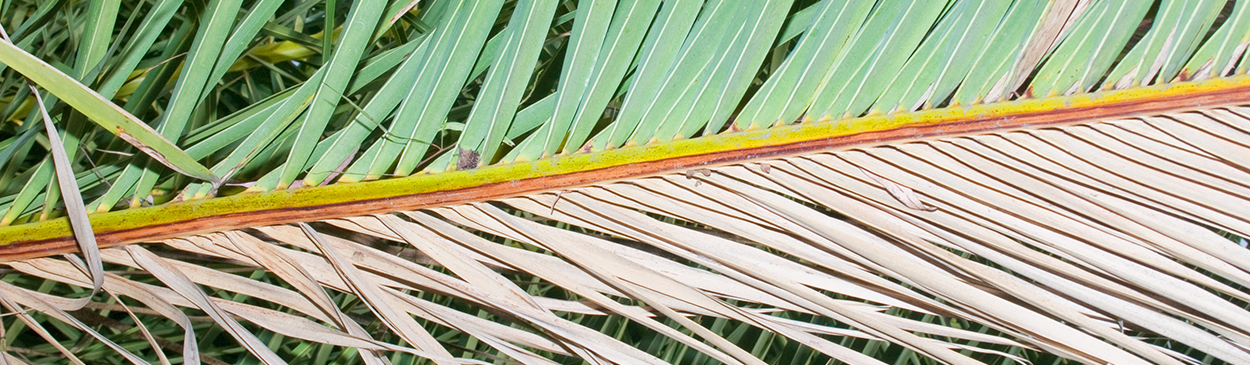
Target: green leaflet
{"points": [[1090, 47], [460, 35], [740, 64], [376, 110], [1173, 37], [187, 93], [992, 70], [661, 48], [150, 28], [102, 112], [693, 70], [585, 41], [948, 55], [501, 93], [361, 22], [1219, 56], [787, 93], [878, 52]]}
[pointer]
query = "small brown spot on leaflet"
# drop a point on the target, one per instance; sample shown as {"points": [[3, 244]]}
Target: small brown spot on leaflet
{"points": [[469, 159]]}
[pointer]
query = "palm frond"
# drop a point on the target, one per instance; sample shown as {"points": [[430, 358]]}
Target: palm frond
{"points": [[628, 181]]}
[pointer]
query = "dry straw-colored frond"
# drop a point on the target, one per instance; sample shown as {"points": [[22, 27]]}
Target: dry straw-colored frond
{"points": [[1088, 241]]}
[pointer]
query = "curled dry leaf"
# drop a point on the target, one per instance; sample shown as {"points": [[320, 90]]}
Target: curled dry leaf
{"points": [[901, 193]]}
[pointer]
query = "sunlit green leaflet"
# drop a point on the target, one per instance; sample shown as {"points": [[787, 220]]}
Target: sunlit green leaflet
{"points": [[965, 27], [660, 49], [586, 39], [693, 70], [1217, 56], [787, 94], [877, 52], [623, 38], [459, 35], [1091, 47], [990, 73], [495, 107], [369, 118], [1172, 39], [95, 44]]}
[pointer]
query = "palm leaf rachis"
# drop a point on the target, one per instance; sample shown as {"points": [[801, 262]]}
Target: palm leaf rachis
{"points": [[625, 181]]}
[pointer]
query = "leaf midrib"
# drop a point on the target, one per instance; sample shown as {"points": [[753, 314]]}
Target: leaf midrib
{"points": [[564, 172]]}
